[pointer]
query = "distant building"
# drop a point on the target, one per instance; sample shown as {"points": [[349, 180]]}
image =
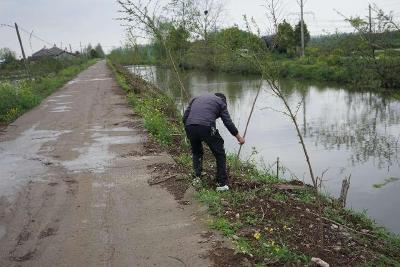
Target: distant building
{"points": [[269, 41], [53, 52]]}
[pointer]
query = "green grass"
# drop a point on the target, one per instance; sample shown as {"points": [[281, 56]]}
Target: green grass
{"points": [[212, 199], [185, 160], [305, 196], [223, 225], [280, 197], [19, 97], [249, 170]]}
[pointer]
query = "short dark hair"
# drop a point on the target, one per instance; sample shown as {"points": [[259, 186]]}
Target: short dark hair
{"points": [[222, 96]]}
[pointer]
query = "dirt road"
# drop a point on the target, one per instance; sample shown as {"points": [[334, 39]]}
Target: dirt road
{"points": [[74, 191]]}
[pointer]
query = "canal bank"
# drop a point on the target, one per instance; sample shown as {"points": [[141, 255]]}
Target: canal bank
{"points": [[347, 133], [270, 220]]}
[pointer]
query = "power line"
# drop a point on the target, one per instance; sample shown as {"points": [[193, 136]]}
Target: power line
{"points": [[6, 25], [34, 35]]}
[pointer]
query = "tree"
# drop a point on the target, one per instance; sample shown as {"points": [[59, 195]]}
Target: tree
{"points": [[274, 14], [372, 48], [93, 54], [99, 50], [210, 12], [285, 38], [184, 14], [7, 56], [235, 39], [297, 34]]}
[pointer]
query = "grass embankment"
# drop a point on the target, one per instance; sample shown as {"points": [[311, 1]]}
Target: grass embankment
{"points": [[270, 221], [18, 97]]}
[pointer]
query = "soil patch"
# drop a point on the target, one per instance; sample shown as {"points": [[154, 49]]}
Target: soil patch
{"points": [[223, 256], [170, 177], [299, 226]]}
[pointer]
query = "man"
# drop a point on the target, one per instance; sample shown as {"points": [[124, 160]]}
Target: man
{"points": [[199, 119]]}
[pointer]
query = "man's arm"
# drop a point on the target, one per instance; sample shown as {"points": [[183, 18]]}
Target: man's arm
{"points": [[226, 119], [187, 111], [240, 139]]}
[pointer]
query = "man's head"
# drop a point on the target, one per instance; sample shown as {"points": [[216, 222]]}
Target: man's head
{"points": [[222, 96]]}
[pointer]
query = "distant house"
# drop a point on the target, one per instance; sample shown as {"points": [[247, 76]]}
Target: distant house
{"points": [[53, 52], [269, 41]]}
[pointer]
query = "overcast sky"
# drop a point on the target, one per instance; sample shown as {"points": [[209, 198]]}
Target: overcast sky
{"points": [[78, 22]]}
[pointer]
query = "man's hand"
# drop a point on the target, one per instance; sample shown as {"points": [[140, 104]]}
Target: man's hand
{"points": [[240, 139]]}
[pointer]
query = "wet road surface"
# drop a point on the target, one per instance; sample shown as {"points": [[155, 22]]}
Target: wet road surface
{"points": [[74, 191]]}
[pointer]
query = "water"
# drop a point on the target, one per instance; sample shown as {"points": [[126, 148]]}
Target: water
{"points": [[346, 132]]}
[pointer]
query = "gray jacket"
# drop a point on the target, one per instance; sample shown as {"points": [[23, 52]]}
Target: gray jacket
{"points": [[205, 109]]}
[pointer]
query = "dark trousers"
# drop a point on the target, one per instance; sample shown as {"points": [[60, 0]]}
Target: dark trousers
{"points": [[210, 135]]}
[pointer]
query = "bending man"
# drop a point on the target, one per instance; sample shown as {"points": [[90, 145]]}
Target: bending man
{"points": [[199, 119]]}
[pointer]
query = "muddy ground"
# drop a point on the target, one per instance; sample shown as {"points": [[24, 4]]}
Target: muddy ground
{"points": [[75, 177]]}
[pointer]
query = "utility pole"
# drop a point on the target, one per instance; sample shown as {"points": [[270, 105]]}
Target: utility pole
{"points": [[70, 48], [22, 49], [302, 27], [370, 18], [80, 45]]}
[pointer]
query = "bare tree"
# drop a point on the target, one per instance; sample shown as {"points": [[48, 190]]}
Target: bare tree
{"points": [[270, 71], [210, 13], [146, 17], [274, 13], [184, 13], [386, 20]]}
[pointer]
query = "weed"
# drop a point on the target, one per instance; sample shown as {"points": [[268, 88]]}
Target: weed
{"points": [[243, 245], [280, 197], [223, 225], [17, 98], [236, 198], [212, 199], [185, 160], [273, 252], [251, 218], [304, 196]]}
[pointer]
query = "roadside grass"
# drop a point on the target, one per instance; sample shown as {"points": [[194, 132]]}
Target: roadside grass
{"points": [[272, 226], [18, 97], [185, 160], [154, 119], [155, 108]]}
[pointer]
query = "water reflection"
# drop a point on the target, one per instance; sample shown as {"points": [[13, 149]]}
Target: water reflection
{"points": [[348, 132], [367, 127]]}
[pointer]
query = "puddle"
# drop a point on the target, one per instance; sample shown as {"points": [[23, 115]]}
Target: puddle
{"points": [[20, 160], [94, 79], [95, 157], [61, 96], [116, 129], [62, 108]]}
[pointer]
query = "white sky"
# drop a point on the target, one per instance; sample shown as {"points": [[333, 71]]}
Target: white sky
{"points": [[93, 21]]}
